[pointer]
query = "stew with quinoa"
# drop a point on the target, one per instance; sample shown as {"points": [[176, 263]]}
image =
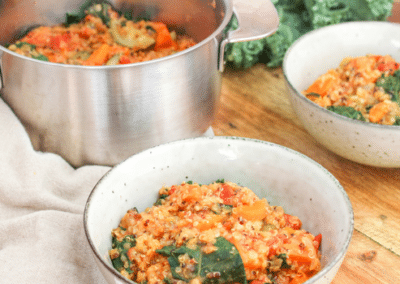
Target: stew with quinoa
{"points": [[99, 35], [366, 88], [216, 233]]}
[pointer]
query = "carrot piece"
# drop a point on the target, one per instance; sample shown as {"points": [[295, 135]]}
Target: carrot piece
{"points": [[300, 257], [163, 38], [190, 193], [322, 85], [300, 251], [254, 212], [210, 222], [378, 111], [99, 56]]}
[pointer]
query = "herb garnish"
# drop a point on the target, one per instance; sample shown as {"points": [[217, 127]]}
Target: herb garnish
{"points": [[347, 111], [222, 266]]}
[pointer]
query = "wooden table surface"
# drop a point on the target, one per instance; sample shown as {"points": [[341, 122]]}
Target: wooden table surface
{"points": [[254, 103]]}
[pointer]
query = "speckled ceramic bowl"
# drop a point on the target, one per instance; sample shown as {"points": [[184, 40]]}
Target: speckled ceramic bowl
{"points": [[284, 177], [318, 51]]}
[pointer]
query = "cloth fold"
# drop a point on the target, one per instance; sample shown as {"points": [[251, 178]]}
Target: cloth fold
{"points": [[42, 200]]}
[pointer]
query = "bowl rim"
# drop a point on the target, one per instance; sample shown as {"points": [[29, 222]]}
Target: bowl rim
{"points": [[317, 107], [227, 16], [337, 260]]}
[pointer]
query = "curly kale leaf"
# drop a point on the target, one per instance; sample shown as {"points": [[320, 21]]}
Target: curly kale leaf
{"points": [[391, 85], [288, 4], [327, 12], [284, 264], [221, 266], [122, 247], [243, 54], [298, 17], [32, 48], [292, 26], [347, 111], [92, 7]]}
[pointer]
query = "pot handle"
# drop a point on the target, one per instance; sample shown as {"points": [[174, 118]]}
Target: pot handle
{"points": [[257, 19]]}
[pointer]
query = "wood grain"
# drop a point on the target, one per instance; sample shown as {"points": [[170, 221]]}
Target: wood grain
{"points": [[254, 103]]}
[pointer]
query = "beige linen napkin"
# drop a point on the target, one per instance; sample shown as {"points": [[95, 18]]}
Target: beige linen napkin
{"points": [[42, 199]]}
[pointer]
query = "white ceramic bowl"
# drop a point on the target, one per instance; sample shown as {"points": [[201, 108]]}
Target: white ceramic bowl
{"points": [[314, 54], [285, 177]]}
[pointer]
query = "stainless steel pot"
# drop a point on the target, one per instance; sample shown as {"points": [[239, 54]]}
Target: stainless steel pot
{"points": [[102, 115]]}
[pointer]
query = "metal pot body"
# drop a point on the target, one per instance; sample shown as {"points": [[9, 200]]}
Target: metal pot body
{"points": [[101, 115]]}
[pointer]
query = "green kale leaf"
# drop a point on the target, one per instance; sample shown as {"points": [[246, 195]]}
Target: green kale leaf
{"points": [[91, 7], [32, 47], [298, 17], [222, 266], [243, 54], [284, 264], [391, 85], [347, 111], [160, 198], [40, 57], [123, 247], [328, 12]]}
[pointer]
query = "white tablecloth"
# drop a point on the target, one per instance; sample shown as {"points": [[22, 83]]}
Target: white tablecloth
{"points": [[42, 199]]}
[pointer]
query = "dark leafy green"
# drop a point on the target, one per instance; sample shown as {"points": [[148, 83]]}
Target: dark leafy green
{"points": [[222, 266], [397, 122], [297, 17], [347, 111], [160, 198], [123, 247], [96, 8], [314, 95], [391, 85], [40, 57], [284, 264], [32, 48], [22, 43]]}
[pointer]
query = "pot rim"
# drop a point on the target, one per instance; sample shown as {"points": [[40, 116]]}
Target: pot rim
{"points": [[224, 23]]}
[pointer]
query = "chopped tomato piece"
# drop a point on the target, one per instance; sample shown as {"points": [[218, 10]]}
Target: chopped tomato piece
{"points": [[388, 66], [172, 189], [124, 60], [226, 194], [292, 222], [60, 42], [317, 241]]}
